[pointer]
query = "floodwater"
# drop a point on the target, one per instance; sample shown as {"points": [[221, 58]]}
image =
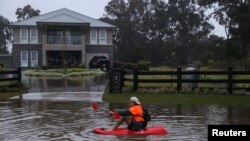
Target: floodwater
{"points": [[75, 84], [56, 110]]}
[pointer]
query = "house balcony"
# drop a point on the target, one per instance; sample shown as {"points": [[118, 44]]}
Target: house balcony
{"points": [[67, 45], [71, 40], [76, 43]]}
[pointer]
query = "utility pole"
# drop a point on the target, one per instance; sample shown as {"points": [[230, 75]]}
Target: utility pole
{"points": [[64, 50]]}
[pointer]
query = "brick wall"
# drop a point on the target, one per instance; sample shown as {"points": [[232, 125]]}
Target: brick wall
{"points": [[17, 48], [6, 60]]}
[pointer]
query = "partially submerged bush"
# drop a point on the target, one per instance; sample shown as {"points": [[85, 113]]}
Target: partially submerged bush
{"points": [[72, 72], [172, 90]]}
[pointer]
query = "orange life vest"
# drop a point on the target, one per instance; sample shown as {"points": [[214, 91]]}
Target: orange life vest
{"points": [[137, 113]]}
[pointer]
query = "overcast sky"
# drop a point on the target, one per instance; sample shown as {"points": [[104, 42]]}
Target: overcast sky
{"points": [[92, 8]]}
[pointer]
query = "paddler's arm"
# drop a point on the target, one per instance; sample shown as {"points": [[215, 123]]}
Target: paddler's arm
{"points": [[124, 112], [121, 112]]}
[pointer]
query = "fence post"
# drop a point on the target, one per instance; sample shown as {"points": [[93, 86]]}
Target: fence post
{"points": [[230, 80], [179, 79], [110, 80], [19, 74], [122, 76], [135, 85]]}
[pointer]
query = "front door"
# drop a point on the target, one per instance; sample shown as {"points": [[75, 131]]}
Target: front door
{"points": [[24, 58]]}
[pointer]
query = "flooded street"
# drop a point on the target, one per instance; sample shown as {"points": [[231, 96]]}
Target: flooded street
{"points": [[63, 112], [75, 84]]}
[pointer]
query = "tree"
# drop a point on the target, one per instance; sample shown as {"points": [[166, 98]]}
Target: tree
{"points": [[127, 16], [26, 12], [234, 16], [5, 34], [240, 25], [149, 29], [188, 26]]}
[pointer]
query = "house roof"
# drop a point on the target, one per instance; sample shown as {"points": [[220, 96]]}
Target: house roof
{"points": [[63, 16]]}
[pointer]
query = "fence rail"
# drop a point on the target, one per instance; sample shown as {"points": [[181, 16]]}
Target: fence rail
{"points": [[16, 75], [178, 77]]}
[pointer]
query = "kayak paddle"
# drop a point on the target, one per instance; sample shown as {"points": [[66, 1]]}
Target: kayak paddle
{"points": [[115, 114]]}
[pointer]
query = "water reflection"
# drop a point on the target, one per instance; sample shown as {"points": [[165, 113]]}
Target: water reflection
{"points": [[64, 112], [73, 84], [73, 120]]}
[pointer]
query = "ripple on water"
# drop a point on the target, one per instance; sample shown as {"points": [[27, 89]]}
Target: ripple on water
{"points": [[74, 120]]}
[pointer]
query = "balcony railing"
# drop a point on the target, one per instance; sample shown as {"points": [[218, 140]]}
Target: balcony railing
{"points": [[73, 40]]}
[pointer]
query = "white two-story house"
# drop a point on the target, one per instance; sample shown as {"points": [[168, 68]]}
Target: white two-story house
{"points": [[61, 37]]}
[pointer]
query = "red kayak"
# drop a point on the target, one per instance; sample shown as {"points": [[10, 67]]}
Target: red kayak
{"points": [[151, 130]]}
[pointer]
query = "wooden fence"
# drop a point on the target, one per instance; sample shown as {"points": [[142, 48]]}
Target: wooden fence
{"points": [[179, 77], [13, 75]]}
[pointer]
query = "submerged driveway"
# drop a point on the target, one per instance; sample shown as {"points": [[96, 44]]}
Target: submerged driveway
{"points": [[63, 96], [87, 88]]}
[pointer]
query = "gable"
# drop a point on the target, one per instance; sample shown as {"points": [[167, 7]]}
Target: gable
{"points": [[63, 16]]}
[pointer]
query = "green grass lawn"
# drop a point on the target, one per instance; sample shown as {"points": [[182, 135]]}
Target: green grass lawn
{"points": [[202, 85], [190, 99], [6, 95], [184, 98], [159, 77]]}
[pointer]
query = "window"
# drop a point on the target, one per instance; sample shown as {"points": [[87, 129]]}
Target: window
{"points": [[24, 58], [93, 36], [75, 37], [33, 35], [55, 36], [34, 58], [102, 36], [23, 35]]}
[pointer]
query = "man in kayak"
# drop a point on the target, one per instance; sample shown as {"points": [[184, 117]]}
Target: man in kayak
{"points": [[133, 116]]}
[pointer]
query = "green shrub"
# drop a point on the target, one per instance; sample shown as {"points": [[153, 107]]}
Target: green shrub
{"points": [[130, 65], [197, 90], [3, 88], [71, 70], [207, 91], [16, 87], [53, 74], [210, 62], [1, 64], [223, 91], [246, 64], [170, 90], [143, 65], [127, 89], [37, 68], [75, 74], [197, 64], [55, 71], [44, 67], [240, 92]]}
